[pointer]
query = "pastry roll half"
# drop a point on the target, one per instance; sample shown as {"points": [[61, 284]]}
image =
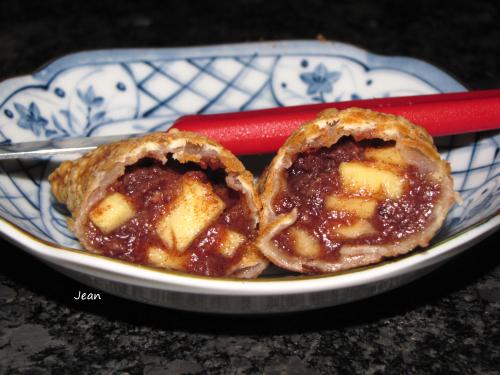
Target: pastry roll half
{"points": [[351, 188], [174, 200]]}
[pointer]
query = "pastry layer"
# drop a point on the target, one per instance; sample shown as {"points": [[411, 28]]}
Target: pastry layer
{"points": [[173, 200], [351, 188]]}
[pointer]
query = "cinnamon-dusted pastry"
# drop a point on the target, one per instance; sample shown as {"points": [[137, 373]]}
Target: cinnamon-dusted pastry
{"points": [[174, 200], [351, 188]]}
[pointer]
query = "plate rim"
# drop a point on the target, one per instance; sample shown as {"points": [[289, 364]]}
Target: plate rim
{"points": [[271, 286], [435, 76]]}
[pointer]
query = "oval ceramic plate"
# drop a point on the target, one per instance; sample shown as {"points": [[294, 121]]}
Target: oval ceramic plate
{"points": [[127, 91]]}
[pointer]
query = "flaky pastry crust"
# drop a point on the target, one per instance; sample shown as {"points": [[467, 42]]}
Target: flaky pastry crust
{"points": [[80, 184], [412, 141]]}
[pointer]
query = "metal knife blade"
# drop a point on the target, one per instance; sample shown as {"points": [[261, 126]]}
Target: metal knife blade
{"points": [[58, 146]]}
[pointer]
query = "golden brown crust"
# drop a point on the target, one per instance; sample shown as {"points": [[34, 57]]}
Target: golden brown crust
{"points": [[83, 182], [412, 141]]}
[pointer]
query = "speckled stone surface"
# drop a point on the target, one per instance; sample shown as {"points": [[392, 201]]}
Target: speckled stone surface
{"points": [[445, 323]]}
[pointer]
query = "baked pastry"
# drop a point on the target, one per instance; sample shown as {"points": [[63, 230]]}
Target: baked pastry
{"points": [[351, 188], [174, 200]]}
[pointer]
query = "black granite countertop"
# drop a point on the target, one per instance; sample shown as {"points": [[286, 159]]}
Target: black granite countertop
{"points": [[445, 323]]}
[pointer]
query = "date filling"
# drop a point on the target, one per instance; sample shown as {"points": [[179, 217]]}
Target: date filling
{"points": [[175, 216], [353, 193]]}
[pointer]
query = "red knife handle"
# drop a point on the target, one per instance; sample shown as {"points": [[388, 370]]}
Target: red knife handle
{"points": [[264, 131]]}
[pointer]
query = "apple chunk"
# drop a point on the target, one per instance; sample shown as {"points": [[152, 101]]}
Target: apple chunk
{"points": [[112, 212], [160, 258], [358, 229], [358, 177], [230, 242], [196, 207], [361, 207], [305, 244], [389, 155]]}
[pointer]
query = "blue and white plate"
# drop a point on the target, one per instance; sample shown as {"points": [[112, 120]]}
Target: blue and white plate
{"points": [[130, 91]]}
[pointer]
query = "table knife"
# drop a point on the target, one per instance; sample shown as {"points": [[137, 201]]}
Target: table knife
{"points": [[265, 130]]}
